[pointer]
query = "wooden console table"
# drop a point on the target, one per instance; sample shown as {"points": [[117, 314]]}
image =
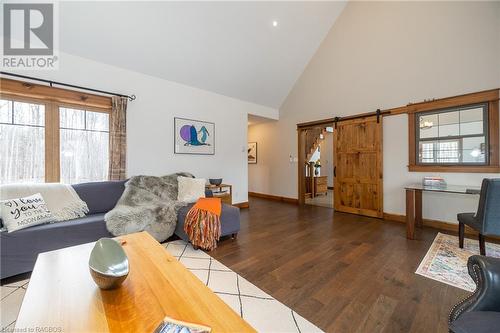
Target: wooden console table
{"points": [[317, 185], [414, 202], [62, 297], [217, 190]]}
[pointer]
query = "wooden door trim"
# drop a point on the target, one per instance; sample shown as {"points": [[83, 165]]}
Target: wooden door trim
{"points": [[301, 162], [301, 157], [380, 161]]}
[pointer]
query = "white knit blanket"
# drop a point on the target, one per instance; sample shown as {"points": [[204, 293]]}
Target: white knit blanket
{"points": [[61, 199]]}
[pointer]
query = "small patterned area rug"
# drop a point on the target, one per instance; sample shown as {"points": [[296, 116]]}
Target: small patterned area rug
{"points": [[259, 309], [447, 263]]}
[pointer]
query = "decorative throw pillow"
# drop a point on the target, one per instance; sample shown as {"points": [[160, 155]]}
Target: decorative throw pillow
{"points": [[190, 189], [24, 212]]}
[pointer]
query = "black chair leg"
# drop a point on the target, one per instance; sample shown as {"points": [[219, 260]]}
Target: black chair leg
{"points": [[482, 247], [461, 230]]}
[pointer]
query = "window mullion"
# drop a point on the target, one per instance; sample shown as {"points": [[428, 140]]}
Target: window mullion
{"points": [[52, 151], [48, 143], [12, 111], [57, 146]]}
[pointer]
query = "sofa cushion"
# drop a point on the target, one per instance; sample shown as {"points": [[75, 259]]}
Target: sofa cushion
{"points": [[190, 189], [19, 250], [100, 197], [477, 322], [22, 213], [68, 225]]}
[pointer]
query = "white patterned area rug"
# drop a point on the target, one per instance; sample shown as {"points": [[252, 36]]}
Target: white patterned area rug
{"points": [[259, 309], [446, 262]]}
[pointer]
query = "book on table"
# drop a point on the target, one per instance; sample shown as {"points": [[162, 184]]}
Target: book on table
{"points": [[170, 325]]}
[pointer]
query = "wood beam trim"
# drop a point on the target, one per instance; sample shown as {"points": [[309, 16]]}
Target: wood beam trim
{"points": [[37, 91], [331, 121], [491, 95], [443, 103]]}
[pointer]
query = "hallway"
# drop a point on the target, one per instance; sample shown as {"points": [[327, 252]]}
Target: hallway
{"points": [[322, 200]]}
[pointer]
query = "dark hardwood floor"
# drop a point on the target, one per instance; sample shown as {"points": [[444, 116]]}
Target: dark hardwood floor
{"points": [[344, 273]]}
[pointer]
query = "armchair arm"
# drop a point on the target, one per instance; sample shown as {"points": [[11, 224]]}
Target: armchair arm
{"points": [[485, 271]]}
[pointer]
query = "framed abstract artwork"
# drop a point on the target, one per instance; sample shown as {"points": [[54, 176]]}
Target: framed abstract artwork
{"points": [[252, 153], [194, 137]]}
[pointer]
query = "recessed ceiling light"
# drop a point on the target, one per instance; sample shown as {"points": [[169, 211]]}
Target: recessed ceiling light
{"points": [[275, 23]]}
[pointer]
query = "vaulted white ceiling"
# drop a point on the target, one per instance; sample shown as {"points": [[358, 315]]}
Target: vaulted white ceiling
{"points": [[231, 48]]}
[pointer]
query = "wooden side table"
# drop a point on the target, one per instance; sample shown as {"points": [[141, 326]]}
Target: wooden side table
{"points": [[223, 191]]}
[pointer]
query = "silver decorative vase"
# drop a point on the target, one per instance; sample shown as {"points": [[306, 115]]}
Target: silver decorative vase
{"points": [[108, 264]]}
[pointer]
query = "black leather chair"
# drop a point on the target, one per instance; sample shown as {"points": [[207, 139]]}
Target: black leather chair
{"points": [[487, 218], [480, 312]]}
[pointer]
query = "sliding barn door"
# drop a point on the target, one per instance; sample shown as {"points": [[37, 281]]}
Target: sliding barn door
{"points": [[358, 167]]}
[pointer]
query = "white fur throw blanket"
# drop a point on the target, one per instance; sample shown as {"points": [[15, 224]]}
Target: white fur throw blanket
{"points": [[148, 204], [61, 199]]}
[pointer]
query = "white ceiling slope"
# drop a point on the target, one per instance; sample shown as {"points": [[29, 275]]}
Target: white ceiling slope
{"points": [[230, 48]]}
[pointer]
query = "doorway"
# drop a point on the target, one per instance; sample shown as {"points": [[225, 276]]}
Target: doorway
{"points": [[356, 160], [319, 178], [316, 165]]}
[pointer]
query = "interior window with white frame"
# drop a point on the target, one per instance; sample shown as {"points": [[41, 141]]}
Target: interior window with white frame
{"points": [[455, 136]]}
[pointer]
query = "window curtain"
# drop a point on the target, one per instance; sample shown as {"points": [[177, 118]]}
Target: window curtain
{"points": [[118, 139]]}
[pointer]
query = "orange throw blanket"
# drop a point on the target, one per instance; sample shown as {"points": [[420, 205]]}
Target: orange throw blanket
{"points": [[202, 224]]}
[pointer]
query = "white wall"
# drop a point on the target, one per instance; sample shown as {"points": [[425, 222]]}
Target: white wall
{"points": [[261, 175], [316, 155], [383, 55], [150, 121]]}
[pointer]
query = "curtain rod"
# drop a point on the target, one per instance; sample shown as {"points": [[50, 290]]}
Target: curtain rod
{"points": [[51, 83]]}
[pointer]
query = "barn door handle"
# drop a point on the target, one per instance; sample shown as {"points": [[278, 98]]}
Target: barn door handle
{"points": [[334, 171]]}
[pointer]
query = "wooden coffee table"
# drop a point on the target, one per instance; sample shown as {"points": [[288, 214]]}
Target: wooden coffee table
{"points": [[63, 297]]}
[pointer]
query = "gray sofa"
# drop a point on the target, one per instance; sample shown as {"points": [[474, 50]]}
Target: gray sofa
{"points": [[230, 221], [19, 249]]}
